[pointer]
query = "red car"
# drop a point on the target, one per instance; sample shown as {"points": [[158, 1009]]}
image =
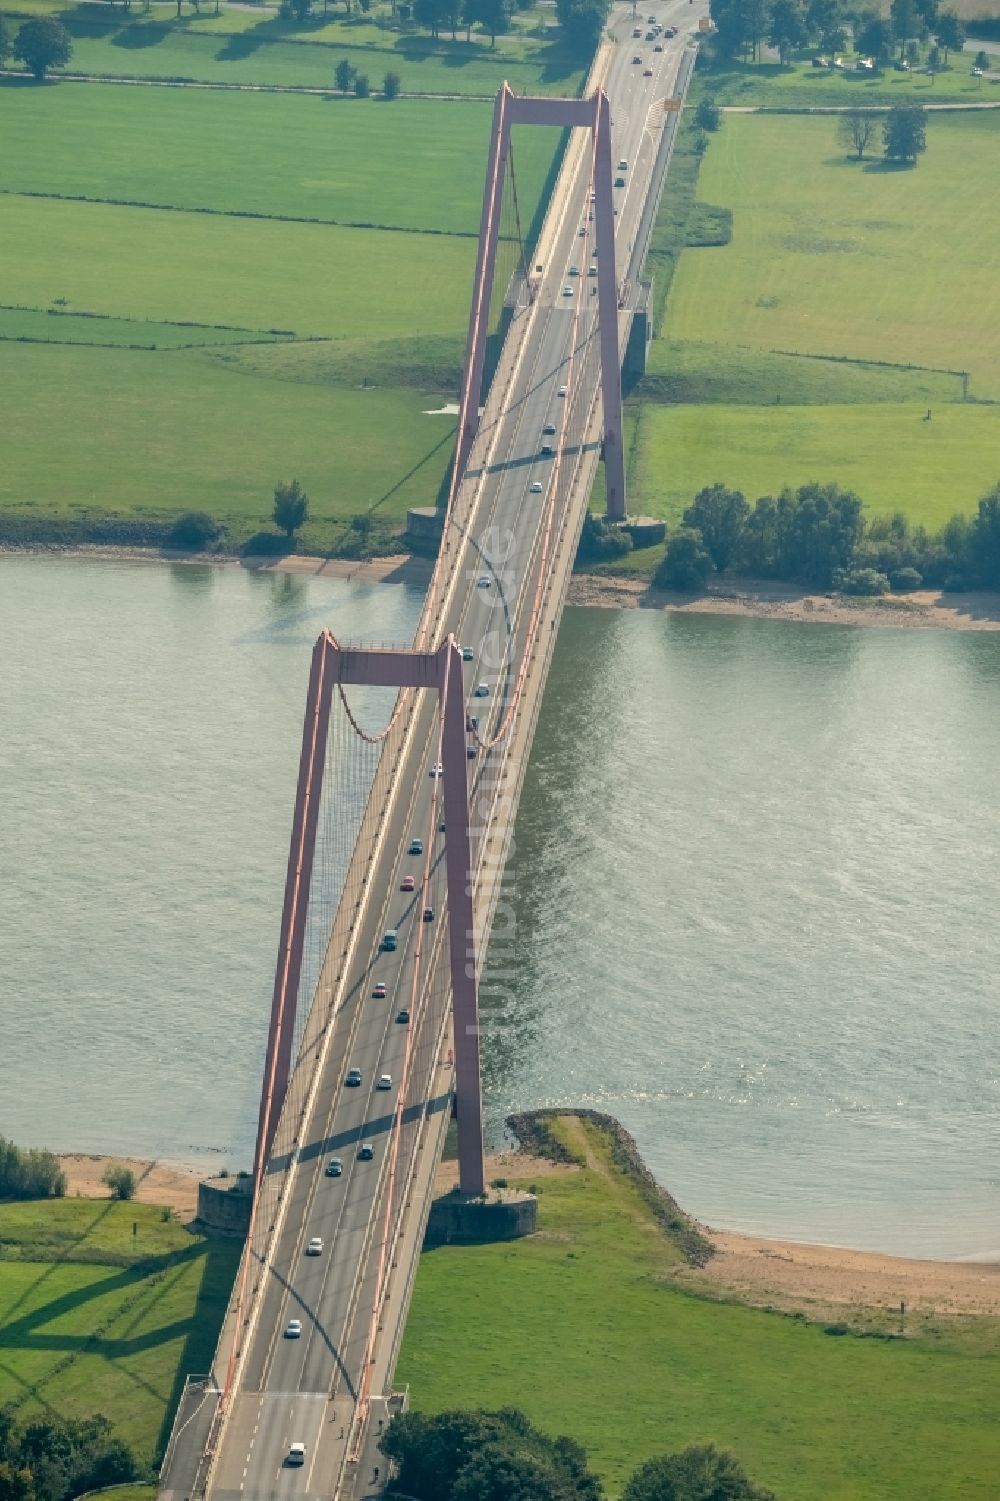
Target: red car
{"points": [[408, 884], [378, 993]]}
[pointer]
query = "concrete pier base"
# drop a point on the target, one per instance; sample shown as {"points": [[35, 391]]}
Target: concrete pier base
{"points": [[502, 1214], [645, 531], [224, 1205]]}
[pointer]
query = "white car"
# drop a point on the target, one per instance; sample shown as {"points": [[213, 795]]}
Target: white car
{"points": [[561, 391], [293, 1329], [567, 291], [315, 1246], [384, 1081], [484, 581], [296, 1454], [536, 488], [437, 770]]}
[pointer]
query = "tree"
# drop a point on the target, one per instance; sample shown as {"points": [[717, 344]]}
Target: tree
{"points": [[484, 1456], [905, 22], [15, 1484], [913, 53], [949, 32], [788, 28], [600, 541], [29, 1174], [986, 538], [707, 114], [686, 563], [343, 75], [856, 130], [905, 131], [120, 1179], [391, 85], [982, 61], [291, 506], [583, 21], [699, 1473], [492, 15], [431, 15], [720, 516], [43, 44], [6, 42], [934, 59], [873, 38], [362, 88]]}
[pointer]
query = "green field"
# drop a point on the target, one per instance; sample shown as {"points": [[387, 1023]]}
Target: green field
{"points": [[888, 454], [832, 258], [255, 46], [580, 1327], [799, 86], [96, 1319], [182, 433], [418, 164]]}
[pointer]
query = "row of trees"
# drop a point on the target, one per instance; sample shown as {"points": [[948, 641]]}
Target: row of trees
{"points": [[29, 1174], [40, 44], [51, 1460], [583, 22], [500, 1456], [904, 131], [816, 535], [349, 80], [744, 26], [491, 16]]}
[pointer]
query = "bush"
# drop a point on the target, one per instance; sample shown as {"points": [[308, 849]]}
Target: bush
{"points": [[707, 114], [29, 1174], [193, 532], [120, 1179], [601, 541], [905, 580], [362, 88], [862, 581], [686, 563], [391, 85]]}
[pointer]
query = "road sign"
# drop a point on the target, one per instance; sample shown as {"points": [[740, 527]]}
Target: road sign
{"points": [[670, 106]]}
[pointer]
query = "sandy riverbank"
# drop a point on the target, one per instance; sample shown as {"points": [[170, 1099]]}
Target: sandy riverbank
{"points": [[754, 598], [167, 1183]]}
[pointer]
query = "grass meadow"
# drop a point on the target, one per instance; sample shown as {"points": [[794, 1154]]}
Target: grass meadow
{"points": [[799, 86], [412, 164], [837, 258], [257, 47], [580, 1327], [96, 1319], [887, 453]]}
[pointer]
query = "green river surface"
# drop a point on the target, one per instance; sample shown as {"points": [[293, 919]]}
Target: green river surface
{"points": [[752, 896]]}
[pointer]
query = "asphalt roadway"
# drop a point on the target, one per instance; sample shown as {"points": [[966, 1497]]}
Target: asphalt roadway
{"points": [[306, 1389]]}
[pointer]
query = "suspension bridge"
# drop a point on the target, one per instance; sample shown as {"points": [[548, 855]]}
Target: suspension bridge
{"points": [[409, 777]]}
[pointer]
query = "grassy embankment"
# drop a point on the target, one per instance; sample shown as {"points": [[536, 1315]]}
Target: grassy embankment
{"points": [[255, 46], [809, 346], [234, 347], [96, 1319], [581, 1327]]}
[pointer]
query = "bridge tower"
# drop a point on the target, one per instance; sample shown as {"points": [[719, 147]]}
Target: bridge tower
{"points": [[440, 670], [593, 114]]}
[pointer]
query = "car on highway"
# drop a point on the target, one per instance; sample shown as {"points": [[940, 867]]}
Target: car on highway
{"points": [[670, 31], [574, 271], [407, 884], [437, 770], [297, 1454], [471, 753], [658, 47], [484, 581], [650, 36], [293, 1329], [582, 230], [567, 291], [482, 690], [637, 31], [366, 1152], [637, 59], [315, 1246], [471, 722], [561, 391], [378, 991], [468, 655], [592, 271], [623, 165], [403, 1015], [441, 827], [428, 917], [647, 72], [536, 488], [549, 429], [619, 182], [389, 941], [334, 1167], [384, 1081], [547, 450], [353, 1078], [416, 846]]}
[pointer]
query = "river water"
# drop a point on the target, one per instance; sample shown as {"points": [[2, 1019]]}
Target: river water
{"points": [[753, 890]]}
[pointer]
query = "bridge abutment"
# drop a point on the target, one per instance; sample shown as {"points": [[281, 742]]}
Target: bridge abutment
{"points": [[460, 1219]]}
